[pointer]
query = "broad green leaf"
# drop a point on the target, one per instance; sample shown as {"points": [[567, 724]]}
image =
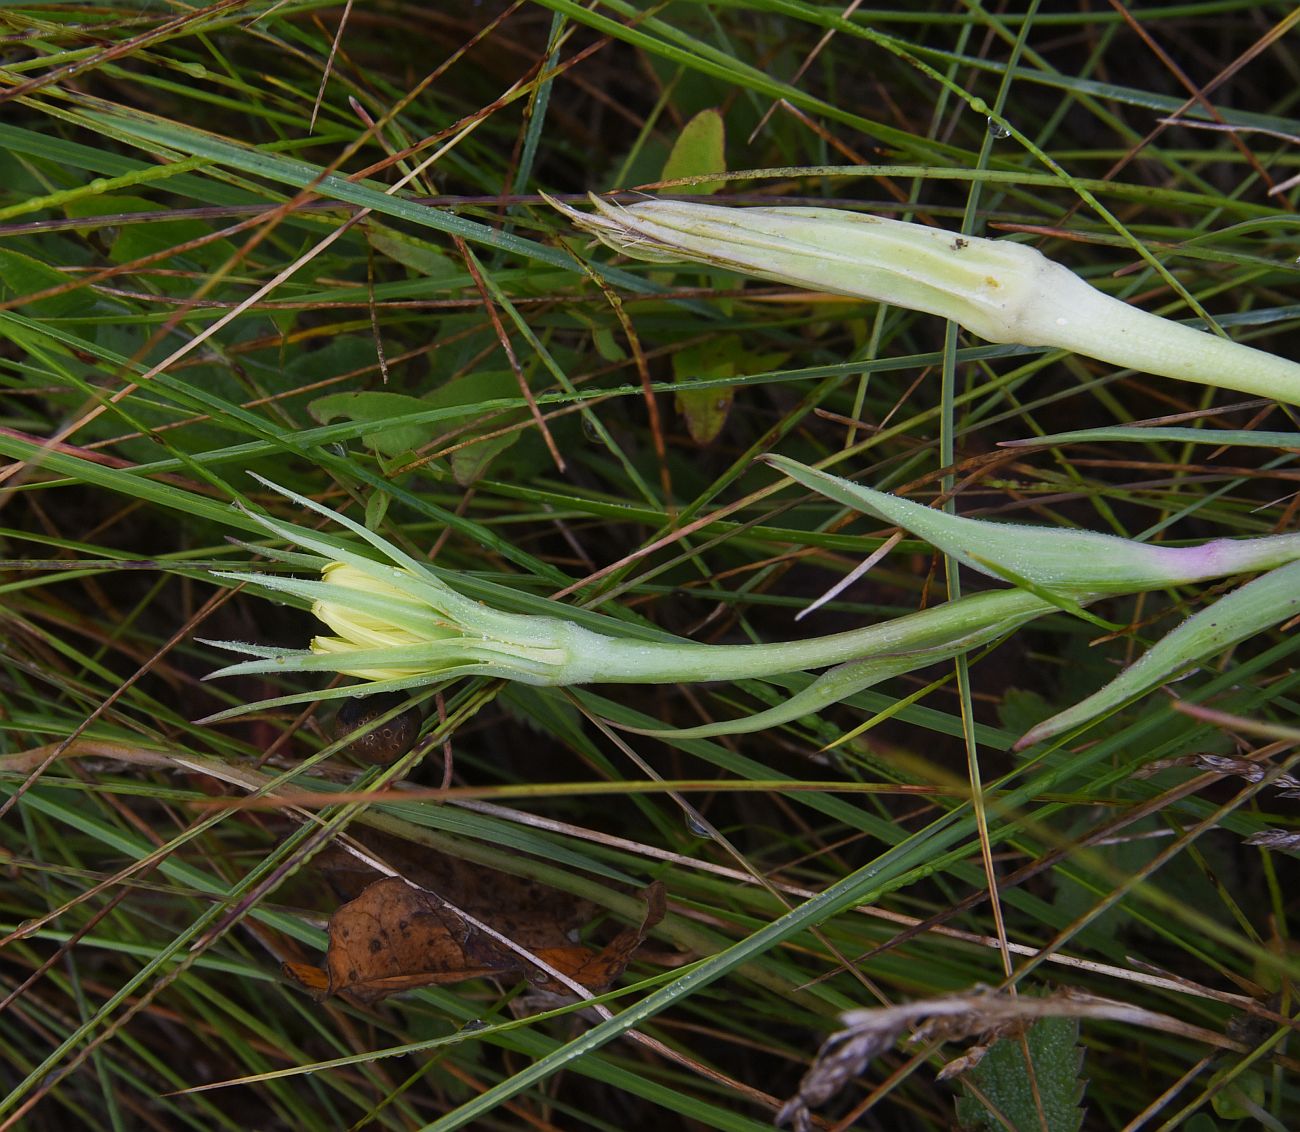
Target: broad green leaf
{"points": [[134, 241], [419, 255], [471, 456], [1019, 709], [469, 462], [22, 275], [602, 337], [376, 406], [1240, 1098], [1016, 1091], [376, 509], [699, 148], [705, 410]]}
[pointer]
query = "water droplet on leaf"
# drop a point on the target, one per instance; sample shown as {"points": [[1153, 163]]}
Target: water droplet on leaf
{"points": [[697, 827]]}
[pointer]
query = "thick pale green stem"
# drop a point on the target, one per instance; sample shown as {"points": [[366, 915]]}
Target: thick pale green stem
{"points": [[1074, 315], [596, 659], [848, 679]]}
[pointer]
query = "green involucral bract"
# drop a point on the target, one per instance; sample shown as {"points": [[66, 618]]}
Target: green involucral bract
{"points": [[1083, 565], [998, 289], [394, 624], [1256, 606], [1068, 562]]}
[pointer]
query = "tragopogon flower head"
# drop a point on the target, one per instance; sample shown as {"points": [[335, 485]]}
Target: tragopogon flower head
{"points": [[358, 628], [397, 625]]}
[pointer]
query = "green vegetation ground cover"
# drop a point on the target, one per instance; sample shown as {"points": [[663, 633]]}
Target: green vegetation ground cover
{"points": [[307, 241]]}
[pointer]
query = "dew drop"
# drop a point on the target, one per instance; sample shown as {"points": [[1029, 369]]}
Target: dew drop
{"points": [[998, 130], [697, 827], [472, 1025]]}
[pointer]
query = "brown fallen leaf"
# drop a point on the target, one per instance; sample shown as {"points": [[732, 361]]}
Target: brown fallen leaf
{"points": [[531, 914], [395, 937], [597, 970], [308, 977]]}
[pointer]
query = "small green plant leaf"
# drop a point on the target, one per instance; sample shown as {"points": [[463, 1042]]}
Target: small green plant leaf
{"points": [[1019, 709], [1044, 1099], [471, 456], [22, 275], [376, 509], [131, 241], [705, 410], [387, 440], [1240, 1098], [419, 255], [471, 460], [699, 148]]}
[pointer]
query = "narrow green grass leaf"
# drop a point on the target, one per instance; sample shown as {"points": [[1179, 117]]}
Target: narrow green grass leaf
{"points": [[1246, 438]]}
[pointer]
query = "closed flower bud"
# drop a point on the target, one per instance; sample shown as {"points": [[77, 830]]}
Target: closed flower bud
{"points": [[998, 289]]}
